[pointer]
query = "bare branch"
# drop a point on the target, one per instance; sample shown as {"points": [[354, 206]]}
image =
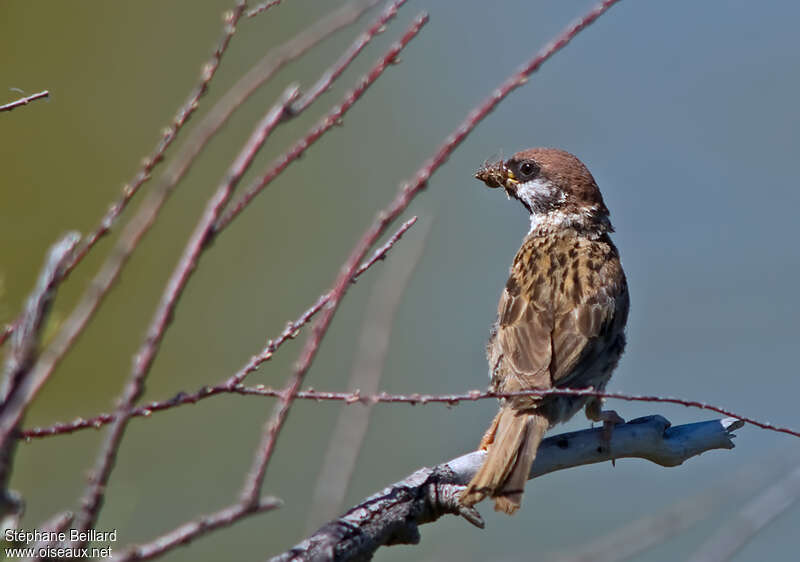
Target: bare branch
{"points": [[52, 526], [344, 443], [24, 101], [201, 526], [233, 383], [328, 121], [322, 85], [255, 478], [263, 7], [185, 111], [7, 330], [93, 496], [144, 219], [283, 109], [356, 397], [393, 515], [19, 360]]}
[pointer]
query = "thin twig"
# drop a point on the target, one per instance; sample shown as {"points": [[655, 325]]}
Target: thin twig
{"points": [[24, 101], [233, 383], [187, 532], [335, 115], [169, 134], [255, 477], [288, 106], [345, 441], [231, 18], [92, 500], [7, 330], [356, 397], [333, 118], [263, 7], [143, 220]]}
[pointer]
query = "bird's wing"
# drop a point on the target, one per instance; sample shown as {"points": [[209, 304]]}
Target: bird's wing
{"points": [[544, 330], [578, 335], [521, 347]]}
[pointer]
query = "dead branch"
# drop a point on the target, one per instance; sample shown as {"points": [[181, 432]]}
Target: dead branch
{"points": [[19, 361], [393, 515]]}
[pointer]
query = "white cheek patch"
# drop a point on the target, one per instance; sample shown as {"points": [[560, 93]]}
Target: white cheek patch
{"points": [[536, 191]]}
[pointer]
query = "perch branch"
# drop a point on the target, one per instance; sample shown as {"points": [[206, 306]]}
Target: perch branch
{"points": [[393, 515]]}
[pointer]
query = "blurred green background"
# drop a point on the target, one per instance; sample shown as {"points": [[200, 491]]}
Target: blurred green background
{"points": [[685, 112]]}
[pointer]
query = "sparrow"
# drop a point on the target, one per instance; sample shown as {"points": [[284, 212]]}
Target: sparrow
{"points": [[561, 317]]}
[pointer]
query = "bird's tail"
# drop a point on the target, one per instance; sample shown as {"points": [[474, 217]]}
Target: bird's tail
{"points": [[512, 441]]}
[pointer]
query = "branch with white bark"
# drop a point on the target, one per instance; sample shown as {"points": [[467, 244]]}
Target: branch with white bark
{"points": [[393, 515]]}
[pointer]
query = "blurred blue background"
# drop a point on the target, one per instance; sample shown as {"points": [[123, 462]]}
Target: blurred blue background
{"points": [[686, 114]]}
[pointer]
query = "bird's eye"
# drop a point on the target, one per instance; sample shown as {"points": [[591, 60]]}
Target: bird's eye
{"points": [[528, 169]]}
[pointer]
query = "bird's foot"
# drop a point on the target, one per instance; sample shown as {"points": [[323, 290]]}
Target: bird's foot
{"points": [[610, 419]]}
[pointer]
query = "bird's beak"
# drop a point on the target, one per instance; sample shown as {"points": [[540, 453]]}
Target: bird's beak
{"points": [[510, 184], [511, 181], [496, 174]]}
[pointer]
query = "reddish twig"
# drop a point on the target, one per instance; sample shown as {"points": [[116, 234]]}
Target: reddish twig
{"points": [[233, 383], [185, 111], [144, 219], [454, 399], [24, 101], [7, 330], [333, 118], [345, 441], [93, 497], [284, 108], [263, 7], [193, 529], [252, 487], [197, 140], [356, 397], [292, 328], [322, 85]]}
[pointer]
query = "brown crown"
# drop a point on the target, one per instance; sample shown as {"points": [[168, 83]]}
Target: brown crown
{"points": [[568, 173]]}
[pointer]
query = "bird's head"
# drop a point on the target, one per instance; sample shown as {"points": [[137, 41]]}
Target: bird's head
{"points": [[554, 186]]}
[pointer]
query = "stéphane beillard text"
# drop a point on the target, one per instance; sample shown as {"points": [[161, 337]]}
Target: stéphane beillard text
{"points": [[27, 537]]}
